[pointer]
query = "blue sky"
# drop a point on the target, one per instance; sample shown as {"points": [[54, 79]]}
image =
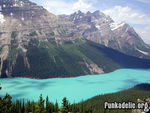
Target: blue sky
{"points": [[134, 12]]}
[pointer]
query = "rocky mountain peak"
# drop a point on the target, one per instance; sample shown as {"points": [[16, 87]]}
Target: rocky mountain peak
{"points": [[88, 13], [102, 29], [79, 12], [98, 14], [22, 21], [29, 32], [97, 17], [22, 9]]}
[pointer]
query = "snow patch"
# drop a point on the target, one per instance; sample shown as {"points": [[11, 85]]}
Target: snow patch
{"points": [[21, 3], [143, 52], [11, 14], [80, 16], [115, 26], [22, 19], [74, 19], [0, 8], [98, 26], [4, 5], [2, 20]]}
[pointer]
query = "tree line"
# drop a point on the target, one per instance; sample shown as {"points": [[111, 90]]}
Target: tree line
{"points": [[93, 105], [42, 106]]}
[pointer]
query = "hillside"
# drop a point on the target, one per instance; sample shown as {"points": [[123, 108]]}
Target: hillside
{"points": [[48, 59], [96, 104]]}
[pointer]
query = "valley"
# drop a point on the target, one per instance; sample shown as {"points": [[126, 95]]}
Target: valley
{"points": [[84, 87], [78, 60], [38, 44]]}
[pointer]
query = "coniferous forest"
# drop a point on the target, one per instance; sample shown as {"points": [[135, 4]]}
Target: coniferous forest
{"points": [[93, 105], [81, 48]]}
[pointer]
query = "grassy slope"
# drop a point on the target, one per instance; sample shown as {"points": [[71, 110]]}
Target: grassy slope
{"points": [[96, 104]]}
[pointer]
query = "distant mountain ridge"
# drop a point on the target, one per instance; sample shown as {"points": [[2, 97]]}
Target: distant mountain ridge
{"points": [[38, 44], [101, 29]]}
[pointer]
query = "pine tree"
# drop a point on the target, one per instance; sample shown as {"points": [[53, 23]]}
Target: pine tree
{"points": [[52, 107], [64, 108], [33, 107], [73, 109], [47, 105], [23, 107], [1, 102], [28, 107], [56, 108], [89, 108], [7, 104], [18, 106], [13, 109], [41, 105], [81, 108]]}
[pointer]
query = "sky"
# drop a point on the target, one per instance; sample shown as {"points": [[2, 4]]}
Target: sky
{"points": [[134, 12]]}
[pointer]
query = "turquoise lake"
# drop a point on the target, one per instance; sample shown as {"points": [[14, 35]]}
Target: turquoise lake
{"points": [[75, 89]]}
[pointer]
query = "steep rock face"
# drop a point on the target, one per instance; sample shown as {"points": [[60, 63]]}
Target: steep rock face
{"points": [[102, 29], [37, 44], [21, 21]]}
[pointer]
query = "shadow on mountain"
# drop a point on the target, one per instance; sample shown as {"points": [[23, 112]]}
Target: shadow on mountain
{"points": [[123, 59]]}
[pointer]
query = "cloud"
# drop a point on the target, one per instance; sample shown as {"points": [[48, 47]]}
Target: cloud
{"points": [[57, 6], [81, 5], [67, 7], [119, 13], [133, 17], [144, 33]]}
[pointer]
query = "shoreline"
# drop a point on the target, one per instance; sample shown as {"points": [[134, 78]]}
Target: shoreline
{"points": [[78, 76]]}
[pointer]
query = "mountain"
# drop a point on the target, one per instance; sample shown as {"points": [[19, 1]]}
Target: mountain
{"points": [[102, 29], [21, 21], [37, 44]]}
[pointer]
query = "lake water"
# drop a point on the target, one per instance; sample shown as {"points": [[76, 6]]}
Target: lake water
{"points": [[75, 89]]}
